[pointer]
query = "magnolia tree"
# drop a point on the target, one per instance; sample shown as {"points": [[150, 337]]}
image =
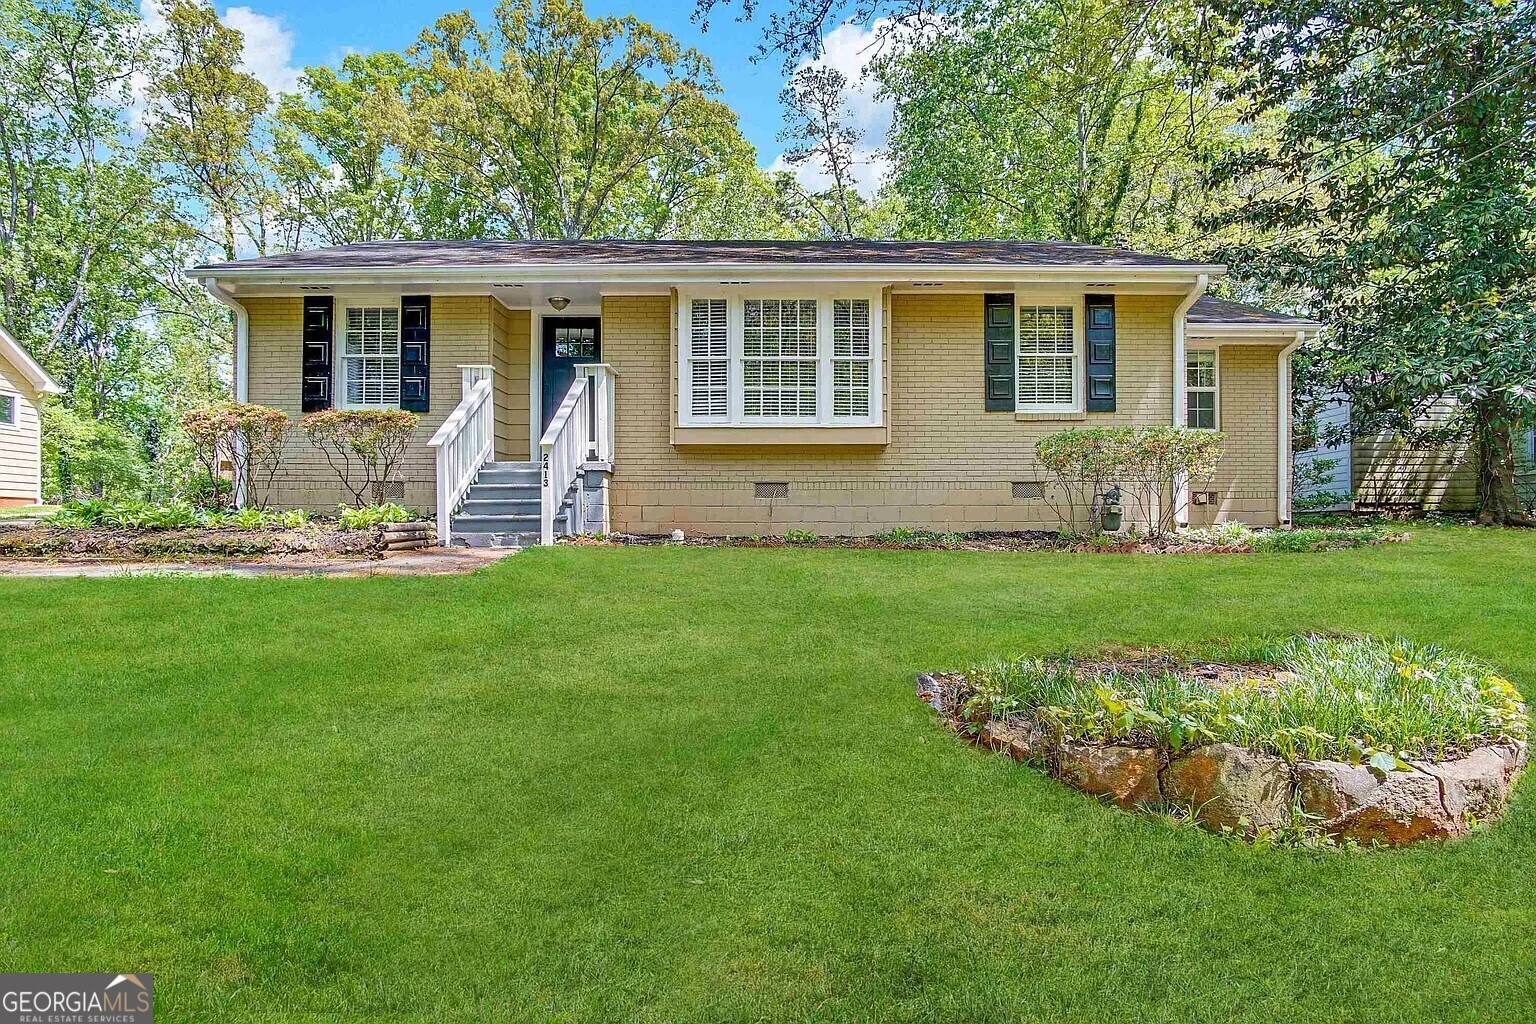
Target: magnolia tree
{"points": [[1143, 468], [247, 438], [363, 446]]}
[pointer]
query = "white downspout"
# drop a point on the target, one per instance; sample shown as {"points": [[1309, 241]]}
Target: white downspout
{"points": [[1181, 489], [242, 387], [1283, 477]]}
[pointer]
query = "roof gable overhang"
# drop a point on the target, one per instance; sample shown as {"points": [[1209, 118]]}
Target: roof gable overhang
{"points": [[12, 352]]}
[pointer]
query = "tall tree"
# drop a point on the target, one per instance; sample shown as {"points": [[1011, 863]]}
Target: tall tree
{"points": [[824, 139], [1406, 147], [205, 120], [1074, 119], [337, 151], [557, 125]]}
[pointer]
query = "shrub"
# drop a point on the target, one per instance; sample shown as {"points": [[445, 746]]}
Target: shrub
{"points": [[1145, 464], [248, 437], [362, 446], [1345, 698], [175, 516], [799, 537], [367, 517]]}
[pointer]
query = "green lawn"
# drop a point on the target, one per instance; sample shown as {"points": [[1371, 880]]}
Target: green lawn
{"points": [[689, 784]]}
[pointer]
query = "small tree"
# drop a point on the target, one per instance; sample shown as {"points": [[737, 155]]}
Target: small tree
{"points": [[362, 446], [1146, 464], [249, 438]]}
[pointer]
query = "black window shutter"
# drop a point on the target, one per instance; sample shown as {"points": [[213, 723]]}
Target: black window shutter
{"points": [[997, 351], [1101, 353], [315, 384], [415, 352]]}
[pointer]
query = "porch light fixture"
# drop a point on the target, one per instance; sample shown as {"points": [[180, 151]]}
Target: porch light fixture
{"points": [[559, 302]]}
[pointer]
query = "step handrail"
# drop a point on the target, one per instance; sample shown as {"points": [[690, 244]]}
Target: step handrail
{"points": [[465, 443], [563, 451]]}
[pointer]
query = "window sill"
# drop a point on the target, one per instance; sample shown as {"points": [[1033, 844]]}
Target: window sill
{"points": [[1038, 417], [745, 435]]}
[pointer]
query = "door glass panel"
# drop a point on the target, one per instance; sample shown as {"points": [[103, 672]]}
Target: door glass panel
{"points": [[575, 343]]}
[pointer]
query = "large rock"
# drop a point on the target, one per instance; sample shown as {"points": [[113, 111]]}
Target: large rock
{"points": [[930, 692], [1231, 787], [1405, 808], [1018, 737], [1480, 783], [1331, 789], [1126, 775]]}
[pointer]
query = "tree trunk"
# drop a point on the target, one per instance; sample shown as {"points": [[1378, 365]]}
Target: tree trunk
{"points": [[1498, 504]]}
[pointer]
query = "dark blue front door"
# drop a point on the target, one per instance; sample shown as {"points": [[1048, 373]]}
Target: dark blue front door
{"points": [[568, 340]]}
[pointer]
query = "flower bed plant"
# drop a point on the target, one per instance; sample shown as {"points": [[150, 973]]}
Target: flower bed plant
{"points": [[143, 531], [1227, 538], [1346, 716]]}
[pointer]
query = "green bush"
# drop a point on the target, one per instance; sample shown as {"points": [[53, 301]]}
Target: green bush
{"points": [[1144, 464], [799, 537], [1346, 698], [369, 516], [1315, 539], [175, 516]]}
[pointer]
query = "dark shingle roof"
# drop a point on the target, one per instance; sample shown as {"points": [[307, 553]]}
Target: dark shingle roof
{"points": [[1210, 310], [513, 254]]}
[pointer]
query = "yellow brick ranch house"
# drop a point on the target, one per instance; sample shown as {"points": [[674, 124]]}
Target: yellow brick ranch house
{"points": [[753, 387]]}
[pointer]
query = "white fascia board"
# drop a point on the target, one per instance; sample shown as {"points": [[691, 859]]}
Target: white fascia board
{"points": [[1276, 333], [683, 273], [13, 353]]}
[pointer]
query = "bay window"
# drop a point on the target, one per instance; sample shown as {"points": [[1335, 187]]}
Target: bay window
{"points": [[785, 358]]}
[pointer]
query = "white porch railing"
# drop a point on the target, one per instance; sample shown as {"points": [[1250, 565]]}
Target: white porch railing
{"points": [[580, 437], [464, 443]]}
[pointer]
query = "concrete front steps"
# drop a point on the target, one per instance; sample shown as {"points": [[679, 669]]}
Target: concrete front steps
{"points": [[501, 508]]}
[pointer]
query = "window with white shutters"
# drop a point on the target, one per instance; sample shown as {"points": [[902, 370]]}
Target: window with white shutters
{"points": [[747, 357], [708, 358], [370, 355], [1047, 359], [779, 343], [850, 357]]}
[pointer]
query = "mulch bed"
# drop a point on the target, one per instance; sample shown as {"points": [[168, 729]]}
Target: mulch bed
{"points": [[34, 541]]}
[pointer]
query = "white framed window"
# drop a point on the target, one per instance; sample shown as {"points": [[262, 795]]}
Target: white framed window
{"points": [[779, 358], [850, 357], [1202, 410], [786, 356], [1048, 353], [708, 359], [9, 408], [369, 350]]}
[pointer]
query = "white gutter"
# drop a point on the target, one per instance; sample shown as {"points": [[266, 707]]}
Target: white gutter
{"points": [[242, 337], [1181, 488], [1283, 477], [644, 272]]}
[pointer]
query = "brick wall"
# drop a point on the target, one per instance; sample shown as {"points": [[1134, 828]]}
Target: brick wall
{"points": [[950, 465], [1245, 482], [461, 333]]}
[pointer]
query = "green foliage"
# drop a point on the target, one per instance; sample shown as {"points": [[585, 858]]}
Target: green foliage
{"points": [[1079, 120], [1142, 462], [1309, 538], [249, 438], [1357, 699], [800, 536], [1392, 179], [362, 446], [369, 516], [96, 513]]}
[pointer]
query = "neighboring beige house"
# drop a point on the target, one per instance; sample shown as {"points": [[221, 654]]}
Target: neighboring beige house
{"points": [[22, 385], [752, 387]]}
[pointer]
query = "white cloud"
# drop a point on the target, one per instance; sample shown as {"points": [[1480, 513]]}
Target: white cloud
{"points": [[268, 48], [850, 49], [268, 51]]}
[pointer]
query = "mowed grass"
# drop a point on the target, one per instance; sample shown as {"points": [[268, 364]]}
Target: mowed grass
{"points": [[693, 785]]}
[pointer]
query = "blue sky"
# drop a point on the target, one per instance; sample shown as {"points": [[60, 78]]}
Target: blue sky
{"points": [[284, 36]]}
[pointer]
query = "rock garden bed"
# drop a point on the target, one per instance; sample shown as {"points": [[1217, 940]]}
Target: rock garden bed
{"points": [[1228, 538], [1308, 741], [98, 532]]}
